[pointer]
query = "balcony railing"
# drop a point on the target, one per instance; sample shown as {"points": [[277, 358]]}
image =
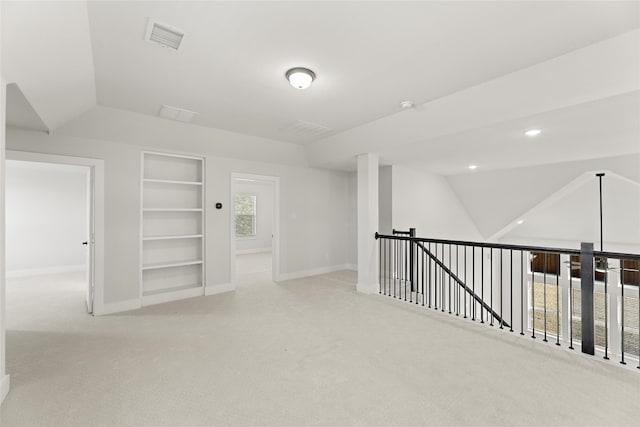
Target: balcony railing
{"points": [[564, 296]]}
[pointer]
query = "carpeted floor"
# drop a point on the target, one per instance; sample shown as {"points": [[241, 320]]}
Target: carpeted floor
{"points": [[305, 352]]}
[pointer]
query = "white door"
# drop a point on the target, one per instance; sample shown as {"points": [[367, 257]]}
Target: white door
{"points": [[89, 243]]}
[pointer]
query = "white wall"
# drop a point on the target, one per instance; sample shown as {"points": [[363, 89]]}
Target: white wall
{"points": [[261, 242], [4, 379], [46, 217], [352, 220], [427, 202], [313, 206]]}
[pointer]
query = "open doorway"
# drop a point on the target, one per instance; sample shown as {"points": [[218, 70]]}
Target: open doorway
{"points": [[54, 228], [254, 228], [48, 226]]}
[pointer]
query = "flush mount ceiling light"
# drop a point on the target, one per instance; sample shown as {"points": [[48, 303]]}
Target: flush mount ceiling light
{"points": [[300, 78], [533, 132], [521, 221], [473, 167]]}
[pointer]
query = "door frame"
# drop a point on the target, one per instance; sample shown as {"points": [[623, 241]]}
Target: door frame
{"points": [[275, 241], [96, 215]]}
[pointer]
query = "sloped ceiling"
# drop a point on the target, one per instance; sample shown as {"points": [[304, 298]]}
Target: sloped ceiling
{"points": [[497, 199], [576, 216], [46, 50]]}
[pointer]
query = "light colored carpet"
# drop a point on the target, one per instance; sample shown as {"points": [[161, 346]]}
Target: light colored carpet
{"points": [[304, 352]]}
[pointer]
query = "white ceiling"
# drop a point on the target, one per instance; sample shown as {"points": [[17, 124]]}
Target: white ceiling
{"points": [[603, 128], [368, 56], [479, 73]]}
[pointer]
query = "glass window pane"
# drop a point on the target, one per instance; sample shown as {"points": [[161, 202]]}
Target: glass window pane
{"points": [[245, 214]]}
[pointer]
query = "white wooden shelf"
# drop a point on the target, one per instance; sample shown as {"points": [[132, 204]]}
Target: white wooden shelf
{"points": [[170, 181], [172, 237], [172, 210], [185, 236], [158, 265], [172, 289]]}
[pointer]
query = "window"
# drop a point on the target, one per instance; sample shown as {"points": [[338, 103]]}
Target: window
{"points": [[245, 212]]}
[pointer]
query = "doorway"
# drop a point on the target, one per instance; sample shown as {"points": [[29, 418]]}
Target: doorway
{"points": [[54, 229], [254, 228]]}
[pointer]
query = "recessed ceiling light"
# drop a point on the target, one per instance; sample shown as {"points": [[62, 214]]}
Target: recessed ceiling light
{"points": [[521, 221], [300, 78], [533, 132], [473, 167]]}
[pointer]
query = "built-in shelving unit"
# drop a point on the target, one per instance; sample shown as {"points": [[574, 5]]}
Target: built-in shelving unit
{"points": [[172, 219]]}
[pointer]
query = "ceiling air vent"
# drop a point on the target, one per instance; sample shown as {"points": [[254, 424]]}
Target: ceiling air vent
{"points": [[174, 113], [302, 128], [163, 34]]}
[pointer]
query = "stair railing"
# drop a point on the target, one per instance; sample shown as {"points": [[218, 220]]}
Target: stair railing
{"points": [[521, 287]]}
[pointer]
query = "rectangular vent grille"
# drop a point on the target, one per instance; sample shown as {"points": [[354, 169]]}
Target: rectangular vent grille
{"points": [[165, 35], [305, 128], [174, 113]]}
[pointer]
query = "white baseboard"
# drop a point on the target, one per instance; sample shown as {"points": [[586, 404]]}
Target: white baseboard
{"points": [[312, 272], [218, 289], [48, 270], [117, 307], [4, 387], [252, 251]]}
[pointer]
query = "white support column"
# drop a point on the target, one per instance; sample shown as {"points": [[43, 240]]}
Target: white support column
{"points": [[367, 223]]}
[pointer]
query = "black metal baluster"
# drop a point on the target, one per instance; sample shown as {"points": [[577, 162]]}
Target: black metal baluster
{"points": [[511, 291], [482, 284], [442, 284], [396, 273], [606, 312], [533, 298], [558, 302], [422, 277], [457, 286], [491, 284], [464, 295], [406, 269], [435, 281], [522, 273], [450, 265], [622, 312], [501, 312], [473, 282], [429, 279], [380, 266], [544, 294]]}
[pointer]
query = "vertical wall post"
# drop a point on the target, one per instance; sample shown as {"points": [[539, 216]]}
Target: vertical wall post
{"points": [[586, 285], [412, 253], [367, 223]]}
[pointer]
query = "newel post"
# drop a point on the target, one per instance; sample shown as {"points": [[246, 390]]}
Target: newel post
{"points": [[586, 285]]}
